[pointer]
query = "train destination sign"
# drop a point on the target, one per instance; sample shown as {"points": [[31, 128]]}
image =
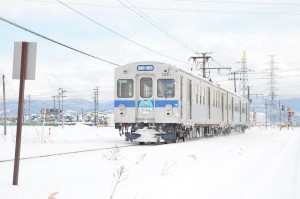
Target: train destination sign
{"points": [[145, 67]]}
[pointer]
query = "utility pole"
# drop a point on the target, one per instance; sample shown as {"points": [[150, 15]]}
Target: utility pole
{"points": [[59, 108], [204, 61], [272, 91], [244, 75], [249, 107], [62, 105], [82, 115], [234, 79], [243, 86], [266, 102], [96, 103], [251, 100], [279, 115], [54, 99], [4, 104], [249, 93]]}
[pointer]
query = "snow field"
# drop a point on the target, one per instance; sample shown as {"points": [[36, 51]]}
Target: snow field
{"points": [[257, 164]]}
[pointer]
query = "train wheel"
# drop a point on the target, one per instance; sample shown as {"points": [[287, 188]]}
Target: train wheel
{"points": [[228, 131], [176, 139], [215, 132], [243, 129]]}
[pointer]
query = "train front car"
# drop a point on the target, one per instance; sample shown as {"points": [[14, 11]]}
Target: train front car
{"points": [[146, 102]]}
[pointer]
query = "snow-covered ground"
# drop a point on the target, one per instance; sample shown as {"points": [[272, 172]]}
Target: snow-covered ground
{"points": [[260, 164]]}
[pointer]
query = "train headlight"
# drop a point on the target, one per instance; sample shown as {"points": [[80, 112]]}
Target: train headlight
{"points": [[168, 110], [122, 109]]}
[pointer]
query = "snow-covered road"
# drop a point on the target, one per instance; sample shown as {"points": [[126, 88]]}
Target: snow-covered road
{"points": [[260, 164]]}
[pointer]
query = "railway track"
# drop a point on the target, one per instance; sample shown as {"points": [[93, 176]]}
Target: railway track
{"points": [[67, 153]]}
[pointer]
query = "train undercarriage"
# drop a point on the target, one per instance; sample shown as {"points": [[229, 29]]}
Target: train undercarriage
{"points": [[172, 133]]}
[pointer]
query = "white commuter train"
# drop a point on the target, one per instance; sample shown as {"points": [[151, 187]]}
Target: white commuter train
{"points": [[157, 102]]}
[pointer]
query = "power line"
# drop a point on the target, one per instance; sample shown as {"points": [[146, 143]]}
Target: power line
{"points": [[180, 10], [45, 93], [59, 43], [267, 78], [243, 2], [265, 71], [126, 38], [278, 77], [278, 87], [156, 25]]}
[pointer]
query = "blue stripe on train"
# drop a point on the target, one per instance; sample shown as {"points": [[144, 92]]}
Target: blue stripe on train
{"points": [[157, 103], [127, 103], [163, 103]]}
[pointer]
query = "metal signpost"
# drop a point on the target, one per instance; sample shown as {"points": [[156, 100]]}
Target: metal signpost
{"points": [[23, 68]]}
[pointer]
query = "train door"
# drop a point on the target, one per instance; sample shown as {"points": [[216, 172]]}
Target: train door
{"points": [[125, 101], [227, 107], [232, 109], [145, 99], [189, 99], [240, 111], [208, 101]]}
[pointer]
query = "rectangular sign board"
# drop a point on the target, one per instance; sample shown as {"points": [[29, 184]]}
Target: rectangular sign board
{"points": [[145, 67], [31, 60]]}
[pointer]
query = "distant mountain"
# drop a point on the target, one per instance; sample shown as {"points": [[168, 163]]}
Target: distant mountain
{"points": [[75, 106]]}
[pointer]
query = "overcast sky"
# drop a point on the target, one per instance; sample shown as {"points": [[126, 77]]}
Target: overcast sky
{"points": [[111, 31]]}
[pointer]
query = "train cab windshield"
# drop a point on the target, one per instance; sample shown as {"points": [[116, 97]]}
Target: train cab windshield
{"points": [[165, 88], [125, 88]]}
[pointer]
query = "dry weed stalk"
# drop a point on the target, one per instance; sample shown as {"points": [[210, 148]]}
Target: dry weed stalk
{"points": [[141, 158], [52, 196], [168, 166], [120, 175], [113, 154]]}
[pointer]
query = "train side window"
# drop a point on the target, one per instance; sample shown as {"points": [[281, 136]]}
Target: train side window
{"points": [[225, 101], [146, 87], [219, 99], [200, 99], [243, 108], [214, 99], [203, 96], [234, 104], [196, 92], [125, 88], [165, 88]]}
